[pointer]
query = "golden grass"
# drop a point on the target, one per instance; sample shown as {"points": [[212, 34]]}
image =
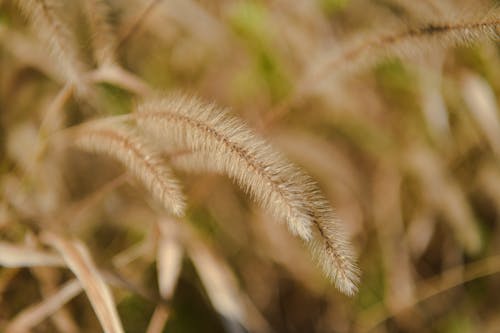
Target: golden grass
{"points": [[388, 110]]}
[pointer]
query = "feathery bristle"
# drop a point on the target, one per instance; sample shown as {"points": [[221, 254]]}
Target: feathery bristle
{"points": [[331, 247], [103, 39], [409, 42], [228, 146], [61, 42], [224, 144], [138, 157]]}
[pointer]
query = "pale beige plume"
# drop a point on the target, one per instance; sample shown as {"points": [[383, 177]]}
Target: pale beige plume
{"points": [[224, 144], [137, 156]]}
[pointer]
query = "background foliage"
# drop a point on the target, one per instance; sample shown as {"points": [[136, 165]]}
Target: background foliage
{"points": [[391, 105]]}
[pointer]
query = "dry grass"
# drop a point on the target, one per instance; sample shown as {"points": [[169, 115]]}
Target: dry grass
{"points": [[386, 109]]}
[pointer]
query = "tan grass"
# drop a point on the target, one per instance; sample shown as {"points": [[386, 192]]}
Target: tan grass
{"points": [[169, 264], [158, 319], [104, 41], [78, 259], [481, 100], [169, 258], [116, 75], [137, 156], [418, 164], [224, 144], [29, 51], [49, 284], [36, 313], [409, 42], [446, 197], [47, 22], [12, 255], [217, 278]]}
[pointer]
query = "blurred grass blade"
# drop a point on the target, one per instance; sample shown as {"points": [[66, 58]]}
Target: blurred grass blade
{"points": [[480, 98], [445, 196], [169, 264], [30, 52], [489, 182], [433, 104], [158, 319], [387, 215], [35, 314], [48, 281], [420, 231], [132, 253], [115, 75], [218, 280], [169, 258], [54, 117], [20, 256], [80, 263]]}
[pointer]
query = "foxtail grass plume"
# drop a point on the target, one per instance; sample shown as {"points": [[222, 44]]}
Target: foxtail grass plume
{"points": [[224, 144], [104, 42], [408, 42], [137, 156], [46, 20]]}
